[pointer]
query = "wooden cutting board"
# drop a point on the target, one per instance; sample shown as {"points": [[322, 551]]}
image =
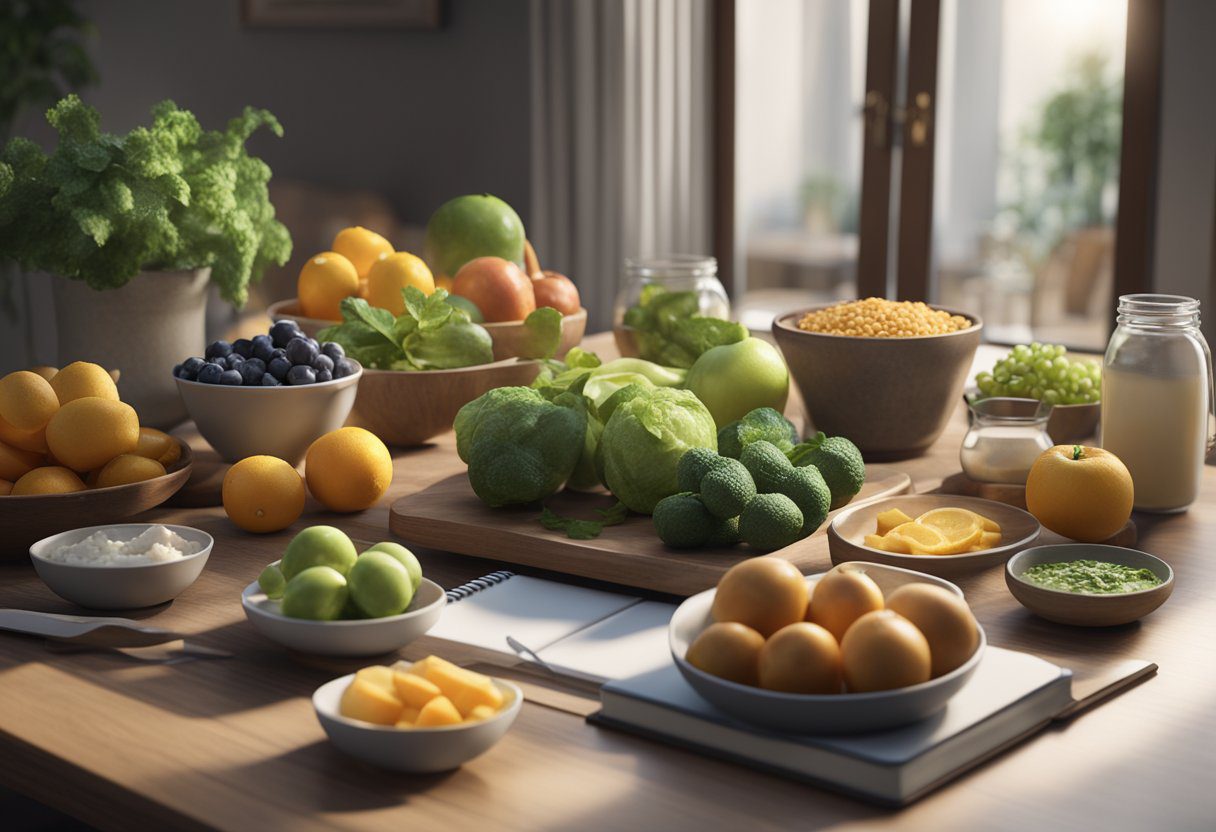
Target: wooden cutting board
{"points": [[449, 516]]}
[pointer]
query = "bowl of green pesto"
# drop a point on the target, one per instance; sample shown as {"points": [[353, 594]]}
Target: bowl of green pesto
{"points": [[1087, 584]]}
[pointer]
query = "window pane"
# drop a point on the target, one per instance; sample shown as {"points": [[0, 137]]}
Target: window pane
{"points": [[1026, 185]]}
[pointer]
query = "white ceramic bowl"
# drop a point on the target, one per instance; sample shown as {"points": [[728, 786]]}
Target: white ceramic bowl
{"points": [[845, 713], [357, 637], [413, 750], [278, 421], [120, 587]]}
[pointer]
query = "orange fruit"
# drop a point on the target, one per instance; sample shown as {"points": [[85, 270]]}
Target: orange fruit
{"points": [[15, 463], [348, 469], [49, 479], [1079, 492], [46, 372], [361, 247], [26, 440], [263, 494], [390, 274], [27, 400], [87, 433], [324, 281], [81, 379], [158, 445], [125, 469]]}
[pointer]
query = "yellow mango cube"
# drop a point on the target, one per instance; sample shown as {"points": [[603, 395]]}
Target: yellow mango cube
{"points": [[370, 703], [989, 539], [414, 691], [439, 711], [889, 519], [875, 541], [408, 717], [480, 712], [896, 545], [378, 675], [464, 688]]}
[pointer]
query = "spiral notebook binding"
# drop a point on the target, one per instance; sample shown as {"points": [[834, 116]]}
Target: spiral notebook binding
{"points": [[477, 585]]}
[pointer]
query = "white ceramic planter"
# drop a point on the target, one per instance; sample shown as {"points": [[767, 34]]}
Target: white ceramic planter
{"points": [[142, 329]]}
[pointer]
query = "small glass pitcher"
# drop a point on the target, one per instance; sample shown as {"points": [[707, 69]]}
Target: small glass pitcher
{"points": [[1005, 438], [673, 273]]}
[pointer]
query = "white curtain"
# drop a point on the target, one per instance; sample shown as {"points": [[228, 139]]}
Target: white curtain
{"points": [[622, 144]]}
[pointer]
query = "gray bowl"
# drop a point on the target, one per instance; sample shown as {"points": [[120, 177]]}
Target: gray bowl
{"points": [[844, 713]]}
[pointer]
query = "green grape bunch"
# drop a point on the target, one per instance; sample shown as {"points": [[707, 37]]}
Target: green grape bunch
{"points": [[1044, 372]]}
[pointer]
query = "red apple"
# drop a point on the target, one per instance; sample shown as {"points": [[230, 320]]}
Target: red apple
{"points": [[500, 289], [556, 290]]}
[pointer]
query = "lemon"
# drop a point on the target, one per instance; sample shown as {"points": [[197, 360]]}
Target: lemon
{"points": [[26, 440], [920, 539], [393, 273], [324, 281], [81, 379], [263, 494], [962, 528], [46, 372], [27, 400], [348, 469], [87, 433], [49, 479], [125, 469], [14, 462], [361, 247], [158, 445]]}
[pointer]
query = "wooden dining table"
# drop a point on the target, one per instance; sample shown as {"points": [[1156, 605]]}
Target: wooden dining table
{"points": [[234, 744]]}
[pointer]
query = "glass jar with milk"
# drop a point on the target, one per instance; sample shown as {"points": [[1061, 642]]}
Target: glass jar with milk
{"points": [[1158, 398], [1005, 438]]}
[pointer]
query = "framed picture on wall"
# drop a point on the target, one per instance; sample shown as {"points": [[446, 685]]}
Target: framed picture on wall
{"points": [[342, 14]]}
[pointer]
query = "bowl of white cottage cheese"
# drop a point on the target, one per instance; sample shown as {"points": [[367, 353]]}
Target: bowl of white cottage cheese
{"points": [[122, 566]]}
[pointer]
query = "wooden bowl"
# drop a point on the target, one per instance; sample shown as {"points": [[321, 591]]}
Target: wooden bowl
{"points": [[891, 396], [1088, 610], [408, 408], [506, 336], [848, 530], [28, 519]]}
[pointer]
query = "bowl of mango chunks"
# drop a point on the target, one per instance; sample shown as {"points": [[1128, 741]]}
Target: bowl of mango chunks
{"points": [[422, 717], [942, 534]]}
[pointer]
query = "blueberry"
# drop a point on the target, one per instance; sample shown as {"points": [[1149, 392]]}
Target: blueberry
{"points": [[263, 347], [219, 361], [344, 367], [231, 377], [278, 368], [210, 373], [270, 381], [323, 362], [234, 362], [243, 347], [252, 371], [333, 350], [193, 365], [301, 351], [278, 352], [301, 374], [177, 370], [324, 375], [218, 349], [284, 331]]}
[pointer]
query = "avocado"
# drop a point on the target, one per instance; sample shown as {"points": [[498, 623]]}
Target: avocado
{"points": [[805, 486], [724, 533], [767, 465], [838, 460], [727, 488], [693, 466], [770, 521], [682, 522]]}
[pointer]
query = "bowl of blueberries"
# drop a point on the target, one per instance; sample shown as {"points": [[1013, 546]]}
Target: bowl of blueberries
{"points": [[271, 394]]}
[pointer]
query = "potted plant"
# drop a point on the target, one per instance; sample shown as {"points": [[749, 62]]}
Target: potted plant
{"points": [[132, 228]]}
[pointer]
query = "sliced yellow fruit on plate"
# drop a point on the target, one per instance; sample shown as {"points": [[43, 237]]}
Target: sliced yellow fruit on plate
{"points": [[875, 541], [921, 539], [889, 519], [955, 524]]}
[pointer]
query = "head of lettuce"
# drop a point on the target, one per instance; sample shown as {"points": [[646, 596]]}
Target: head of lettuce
{"points": [[644, 439]]}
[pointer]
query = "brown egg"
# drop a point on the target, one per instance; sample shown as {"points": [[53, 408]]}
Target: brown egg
{"points": [[801, 658], [882, 651], [765, 593], [841, 597], [728, 650], [945, 620]]}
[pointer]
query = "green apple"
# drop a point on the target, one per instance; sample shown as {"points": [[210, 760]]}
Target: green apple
{"points": [[734, 379], [467, 227], [318, 546], [407, 558], [380, 585], [272, 582], [317, 593]]}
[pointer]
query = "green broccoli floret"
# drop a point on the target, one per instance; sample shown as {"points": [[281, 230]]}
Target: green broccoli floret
{"points": [[724, 533], [693, 466], [519, 447], [770, 521], [767, 465], [805, 486], [727, 488], [761, 423], [682, 521], [838, 460]]}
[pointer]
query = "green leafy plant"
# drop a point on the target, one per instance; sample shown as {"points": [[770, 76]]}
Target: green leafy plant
{"points": [[101, 207], [670, 330], [579, 529]]}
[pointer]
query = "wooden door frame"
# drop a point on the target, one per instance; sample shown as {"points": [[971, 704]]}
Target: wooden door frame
{"points": [[723, 120], [874, 212]]}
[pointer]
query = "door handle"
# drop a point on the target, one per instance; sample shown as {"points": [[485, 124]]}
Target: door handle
{"points": [[918, 117], [877, 112]]}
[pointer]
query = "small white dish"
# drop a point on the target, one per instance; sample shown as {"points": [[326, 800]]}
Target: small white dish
{"points": [[276, 421], [413, 750], [354, 637], [120, 587], [843, 713]]}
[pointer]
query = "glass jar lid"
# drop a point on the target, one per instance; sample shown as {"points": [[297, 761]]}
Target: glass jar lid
{"points": [[672, 265]]}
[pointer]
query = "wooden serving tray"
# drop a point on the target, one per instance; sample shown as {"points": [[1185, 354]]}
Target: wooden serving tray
{"points": [[449, 516]]}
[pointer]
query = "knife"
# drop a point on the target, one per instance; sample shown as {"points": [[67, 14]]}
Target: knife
{"points": [[93, 631]]}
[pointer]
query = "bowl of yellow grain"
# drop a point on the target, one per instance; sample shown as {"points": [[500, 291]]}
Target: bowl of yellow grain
{"points": [[886, 374]]}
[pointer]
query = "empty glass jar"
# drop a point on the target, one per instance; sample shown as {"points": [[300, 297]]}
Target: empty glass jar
{"points": [[1005, 438]]}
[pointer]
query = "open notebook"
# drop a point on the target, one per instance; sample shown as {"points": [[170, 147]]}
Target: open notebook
{"points": [[584, 633]]}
